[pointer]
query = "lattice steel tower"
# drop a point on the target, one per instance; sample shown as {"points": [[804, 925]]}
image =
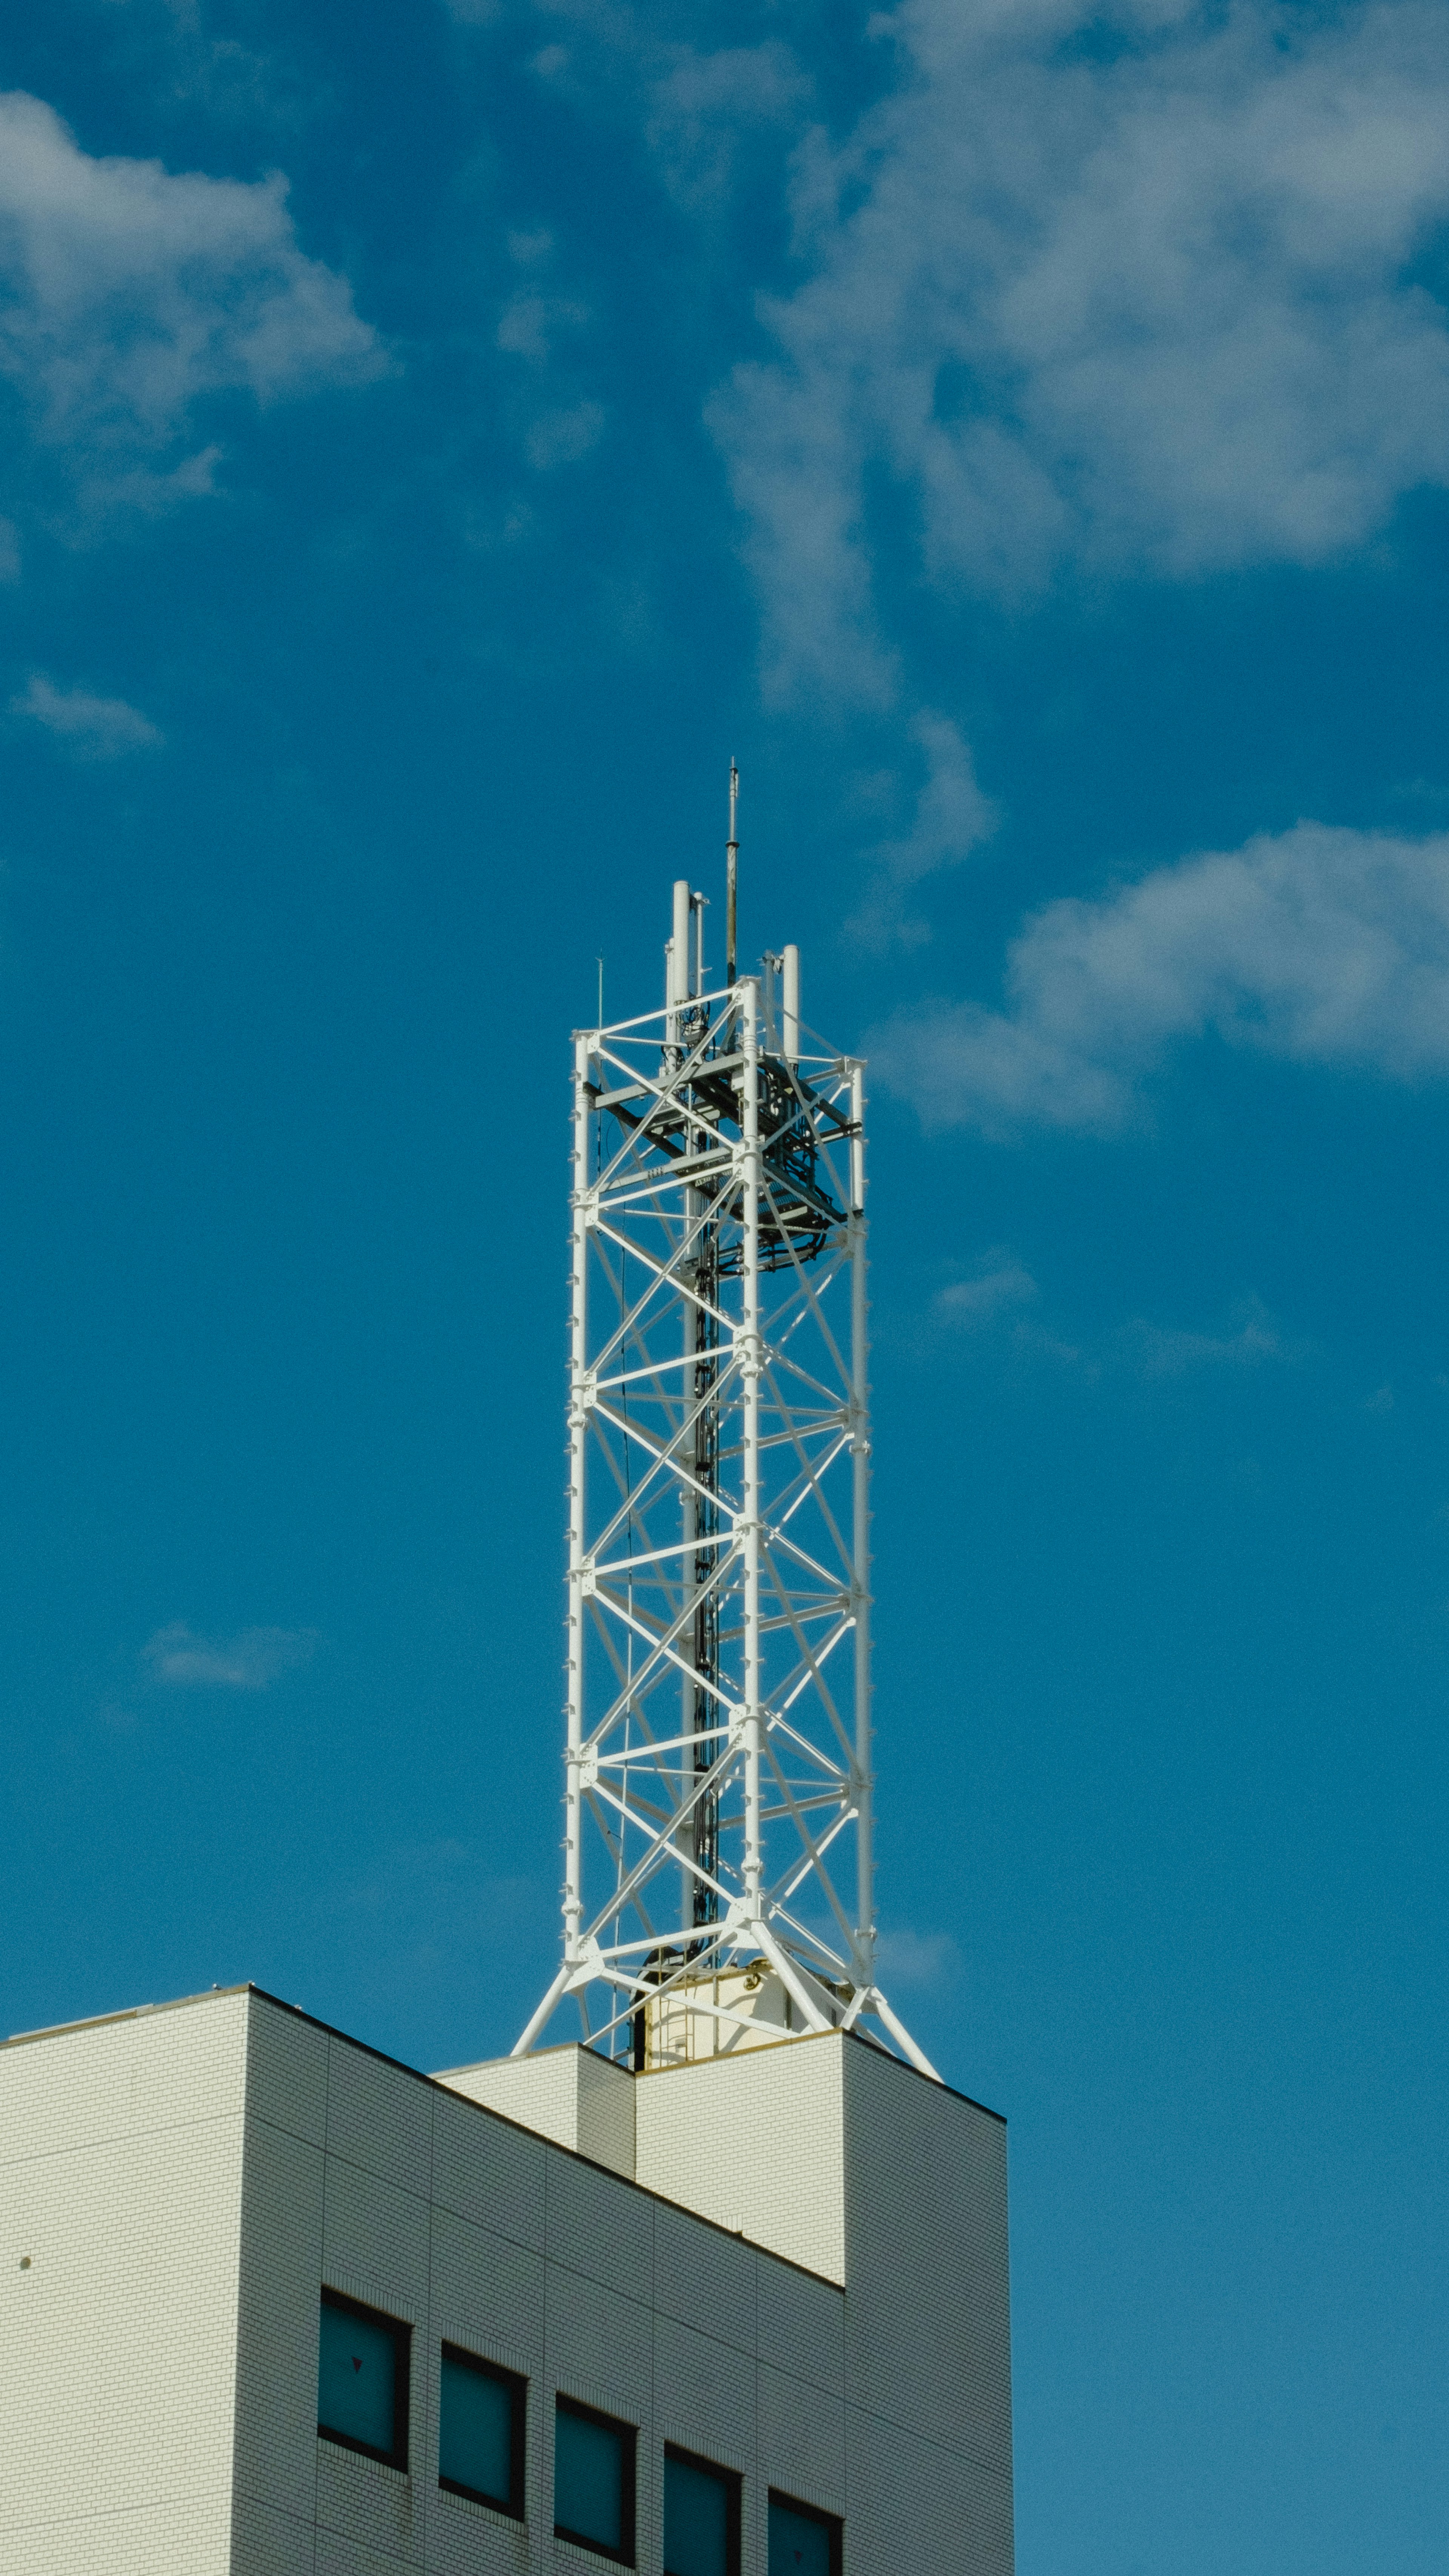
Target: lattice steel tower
{"points": [[718, 1882]]}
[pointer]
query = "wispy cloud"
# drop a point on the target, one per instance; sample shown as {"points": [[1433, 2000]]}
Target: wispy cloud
{"points": [[952, 818], [530, 324], [702, 107], [1322, 945], [559, 422], [1159, 1350], [1149, 304], [996, 1306], [998, 1301], [128, 291], [535, 317], [999, 1285], [703, 110], [907, 1958], [249, 1661], [564, 436], [90, 728]]}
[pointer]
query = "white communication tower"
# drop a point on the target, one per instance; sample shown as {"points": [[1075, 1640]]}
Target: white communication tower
{"points": [[718, 1882]]}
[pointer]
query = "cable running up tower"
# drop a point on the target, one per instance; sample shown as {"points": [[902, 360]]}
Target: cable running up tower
{"points": [[718, 1872]]}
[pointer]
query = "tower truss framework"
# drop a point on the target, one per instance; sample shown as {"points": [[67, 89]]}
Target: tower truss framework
{"points": [[718, 1760]]}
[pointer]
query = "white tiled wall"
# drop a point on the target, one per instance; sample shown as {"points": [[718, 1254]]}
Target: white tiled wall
{"points": [[120, 2180], [842, 2159], [512, 2246], [571, 2094], [185, 2180], [755, 2143], [927, 2316]]}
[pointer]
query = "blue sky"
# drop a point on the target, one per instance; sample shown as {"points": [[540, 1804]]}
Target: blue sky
{"points": [[435, 441]]}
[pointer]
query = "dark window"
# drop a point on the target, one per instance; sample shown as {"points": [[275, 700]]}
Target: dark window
{"points": [[701, 2517], [803, 2542], [481, 2413], [362, 2379], [593, 2480]]}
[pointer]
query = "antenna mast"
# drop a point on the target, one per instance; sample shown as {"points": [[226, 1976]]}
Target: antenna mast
{"points": [[732, 875], [718, 1758]]}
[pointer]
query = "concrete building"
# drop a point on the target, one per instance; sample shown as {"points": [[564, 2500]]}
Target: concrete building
{"points": [[274, 2304]]}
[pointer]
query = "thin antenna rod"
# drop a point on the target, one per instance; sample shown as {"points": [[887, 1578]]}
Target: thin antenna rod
{"points": [[732, 867]]}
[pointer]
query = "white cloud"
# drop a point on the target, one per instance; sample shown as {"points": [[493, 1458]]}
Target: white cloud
{"points": [[907, 1958], [561, 437], [90, 727], [1000, 1297], [249, 1661], [952, 818], [999, 1285], [1325, 946], [523, 327], [529, 324], [128, 292], [701, 105], [1162, 1350], [1151, 305], [1000, 1292]]}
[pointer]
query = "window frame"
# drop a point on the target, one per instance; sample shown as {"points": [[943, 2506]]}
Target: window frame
{"points": [[517, 2386], [626, 2555], [733, 2484], [830, 2522], [401, 2331]]}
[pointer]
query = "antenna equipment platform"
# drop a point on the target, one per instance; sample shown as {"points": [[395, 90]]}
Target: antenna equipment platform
{"points": [[718, 1881]]}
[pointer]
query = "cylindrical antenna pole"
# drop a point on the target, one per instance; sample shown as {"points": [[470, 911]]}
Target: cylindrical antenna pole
{"points": [[790, 1005], [679, 945], [732, 872]]}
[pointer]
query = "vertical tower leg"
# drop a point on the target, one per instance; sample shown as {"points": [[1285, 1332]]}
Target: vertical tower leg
{"points": [[688, 1532], [578, 1462], [748, 1530], [860, 1589]]}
